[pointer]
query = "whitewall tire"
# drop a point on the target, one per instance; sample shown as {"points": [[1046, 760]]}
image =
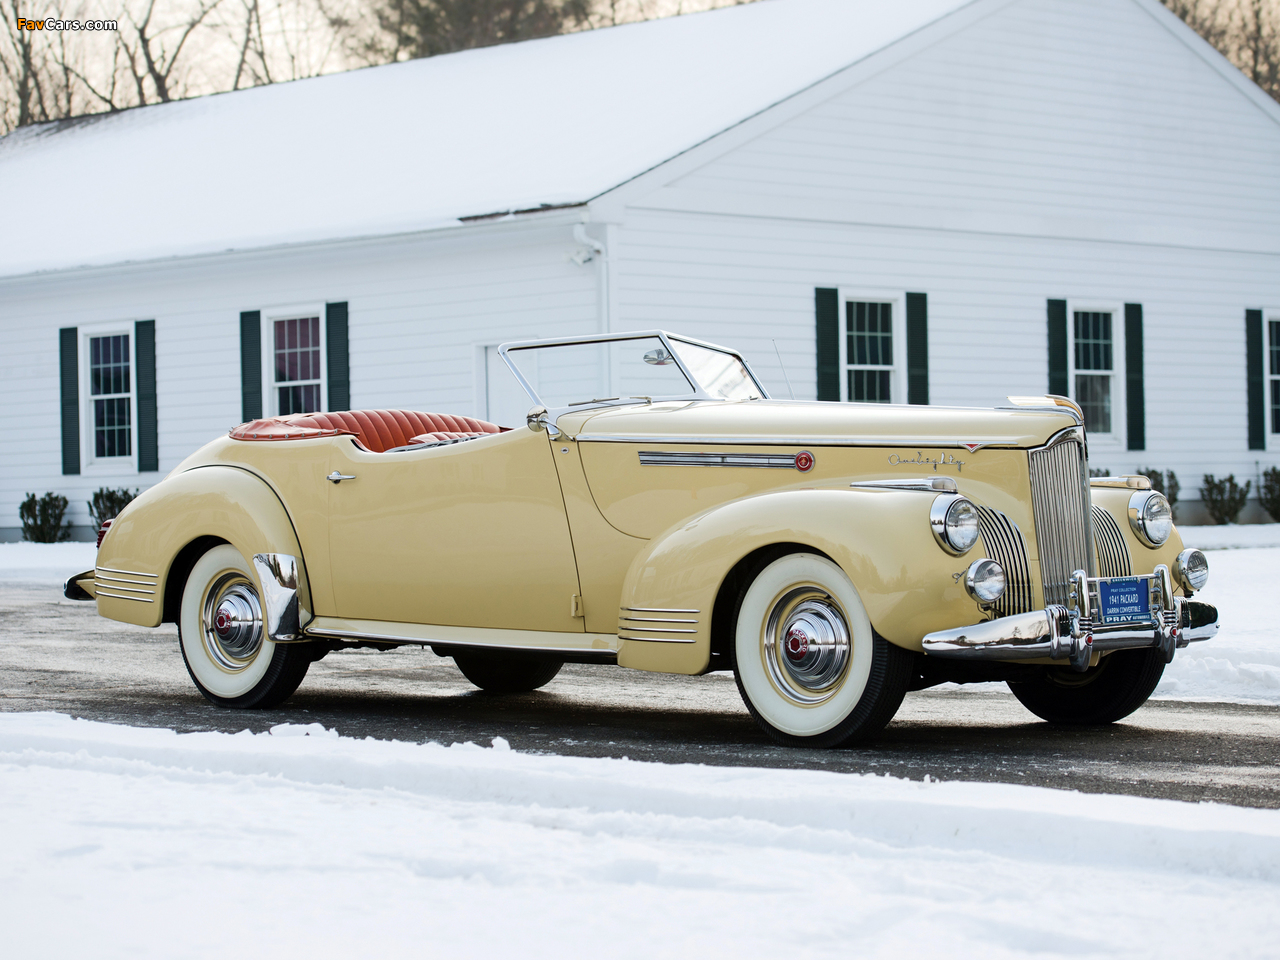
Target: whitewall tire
{"points": [[223, 639], [808, 664]]}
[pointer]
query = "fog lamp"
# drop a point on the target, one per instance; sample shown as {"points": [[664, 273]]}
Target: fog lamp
{"points": [[984, 581], [1191, 569]]}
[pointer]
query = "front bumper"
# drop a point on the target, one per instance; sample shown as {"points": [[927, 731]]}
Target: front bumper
{"points": [[1071, 633]]}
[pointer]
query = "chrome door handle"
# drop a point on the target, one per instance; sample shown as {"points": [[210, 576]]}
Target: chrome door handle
{"points": [[337, 477]]}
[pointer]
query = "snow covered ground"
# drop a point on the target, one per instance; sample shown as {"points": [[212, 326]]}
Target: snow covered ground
{"points": [[1240, 665], [128, 842]]}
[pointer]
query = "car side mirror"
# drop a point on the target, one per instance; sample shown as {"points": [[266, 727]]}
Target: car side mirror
{"points": [[539, 420]]}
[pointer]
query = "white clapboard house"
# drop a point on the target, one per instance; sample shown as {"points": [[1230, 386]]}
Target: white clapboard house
{"points": [[924, 201]]}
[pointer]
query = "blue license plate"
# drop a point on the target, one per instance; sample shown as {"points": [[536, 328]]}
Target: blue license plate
{"points": [[1124, 600]]}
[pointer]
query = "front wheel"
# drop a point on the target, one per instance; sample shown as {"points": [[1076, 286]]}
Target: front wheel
{"points": [[1117, 686], [808, 664], [223, 641]]}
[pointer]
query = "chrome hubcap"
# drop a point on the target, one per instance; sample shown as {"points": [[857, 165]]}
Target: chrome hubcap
{"points": [[232, 622], [806, 645]]}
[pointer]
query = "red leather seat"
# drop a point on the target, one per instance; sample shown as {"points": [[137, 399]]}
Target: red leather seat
{"points": [[375, 430]]}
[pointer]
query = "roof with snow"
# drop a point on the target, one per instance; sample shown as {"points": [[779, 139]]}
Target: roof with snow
{"points": [[418, 145]]}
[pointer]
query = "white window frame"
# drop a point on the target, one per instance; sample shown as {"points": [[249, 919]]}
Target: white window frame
{"points": [[1114, 441], [270, 389], [1270, 441], [898, 371], [90, 463]]}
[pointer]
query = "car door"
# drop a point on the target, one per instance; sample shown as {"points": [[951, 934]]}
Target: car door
{"points": [[470, 534]]}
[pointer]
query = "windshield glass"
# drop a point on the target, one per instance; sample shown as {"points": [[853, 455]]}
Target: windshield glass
{"points": [[574, 373], [721, 374]]}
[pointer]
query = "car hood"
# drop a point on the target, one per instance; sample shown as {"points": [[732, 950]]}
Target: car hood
{"points": [[818, 424]]}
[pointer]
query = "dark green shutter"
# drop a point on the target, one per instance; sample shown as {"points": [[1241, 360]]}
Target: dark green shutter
{"points": [[335, 332], [917, 348], [250, 365], [144, 340], [1058, 384], [827, 309], [1255, 377], [69, 369], [1135, 394]]}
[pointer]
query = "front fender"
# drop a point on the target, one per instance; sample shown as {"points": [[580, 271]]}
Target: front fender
{"points": [[151, 533], [880, 538]]}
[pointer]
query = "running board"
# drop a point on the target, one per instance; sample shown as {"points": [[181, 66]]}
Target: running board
{"points": [[580, 647]]}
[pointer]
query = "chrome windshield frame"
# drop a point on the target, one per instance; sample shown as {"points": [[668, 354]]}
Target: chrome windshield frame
{"points": [[699, 392]]}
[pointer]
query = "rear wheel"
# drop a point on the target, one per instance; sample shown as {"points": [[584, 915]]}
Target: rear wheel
{"points": [[504, 673], [808, 664], [1117, 686], [224, 645]]}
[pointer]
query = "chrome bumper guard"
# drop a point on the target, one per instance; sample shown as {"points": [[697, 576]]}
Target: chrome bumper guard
{"points": [[1070, 632]]}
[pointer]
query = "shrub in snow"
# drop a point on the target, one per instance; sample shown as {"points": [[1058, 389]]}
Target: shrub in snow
{"points": [[1269, 491], [107, 503], [1164, 482], [42, 518], [1224, 499]]}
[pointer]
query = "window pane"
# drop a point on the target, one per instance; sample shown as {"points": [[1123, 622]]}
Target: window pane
{"points": [[1275, 406], [297, 352], [1093, 341], [869, 328], [111, 435], [1093, 393], [1275, 347], [869, 386], [108, 365]]}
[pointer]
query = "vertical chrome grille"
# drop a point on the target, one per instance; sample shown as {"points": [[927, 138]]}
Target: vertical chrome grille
{"points": [[1113, 554], [1060, 500], [1007, 547]]}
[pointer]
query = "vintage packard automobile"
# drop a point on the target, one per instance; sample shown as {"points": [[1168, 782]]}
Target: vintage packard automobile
{"points": [[659, 511]]}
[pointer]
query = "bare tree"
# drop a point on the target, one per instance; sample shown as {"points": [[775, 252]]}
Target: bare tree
{"points": [[1246, 32], [153, 50]]}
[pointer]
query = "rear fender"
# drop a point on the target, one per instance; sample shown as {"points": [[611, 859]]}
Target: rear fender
{"points": [[880, 538], [159, 536]]}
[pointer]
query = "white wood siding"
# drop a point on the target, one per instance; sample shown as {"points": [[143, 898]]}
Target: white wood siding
{"points": [[419, 307]]}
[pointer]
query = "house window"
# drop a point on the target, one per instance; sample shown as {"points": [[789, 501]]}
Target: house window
{"points": [[1274, 371], [296, 366], [1094, 365], [111, 396], [869, 346]]}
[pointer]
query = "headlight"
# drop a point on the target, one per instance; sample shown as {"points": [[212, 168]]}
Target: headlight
{"points": [[1191, 569], [1151, 517], [955, 523], [984, 580]]}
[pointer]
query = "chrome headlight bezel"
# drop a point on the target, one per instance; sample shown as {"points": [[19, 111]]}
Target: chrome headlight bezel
{"points": [[1146, 508], [1191, 570], [985, 581], [954, 521]]}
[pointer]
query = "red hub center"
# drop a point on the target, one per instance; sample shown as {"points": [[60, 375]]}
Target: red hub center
{"points": [[797, 644], [222, 623]]}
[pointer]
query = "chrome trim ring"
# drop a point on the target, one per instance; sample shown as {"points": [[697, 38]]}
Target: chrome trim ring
{"points": [[231, 622], [807, 649], [1191, 569], [938, 522], [985, 581], [1138, 504]]}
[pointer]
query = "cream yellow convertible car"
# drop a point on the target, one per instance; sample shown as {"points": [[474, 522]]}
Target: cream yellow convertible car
{"points": [[659, 511]]}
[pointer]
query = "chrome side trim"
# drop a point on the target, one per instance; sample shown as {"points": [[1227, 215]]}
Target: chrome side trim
{"points": [[121, 596], [131, 573], [278, 574], [660, 639], [142, 583], [1113, 553], [656, 620], [473, 644], [115, 586], [659, 610], [925, 484], [675, 458], [914, 443]]}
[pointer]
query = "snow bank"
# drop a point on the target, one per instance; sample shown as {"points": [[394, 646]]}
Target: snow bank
{"points": [[44, 562], [124, 842], [1231, 536]]}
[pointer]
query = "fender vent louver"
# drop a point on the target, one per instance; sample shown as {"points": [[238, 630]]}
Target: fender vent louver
{"points": [[1006, 546]]}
